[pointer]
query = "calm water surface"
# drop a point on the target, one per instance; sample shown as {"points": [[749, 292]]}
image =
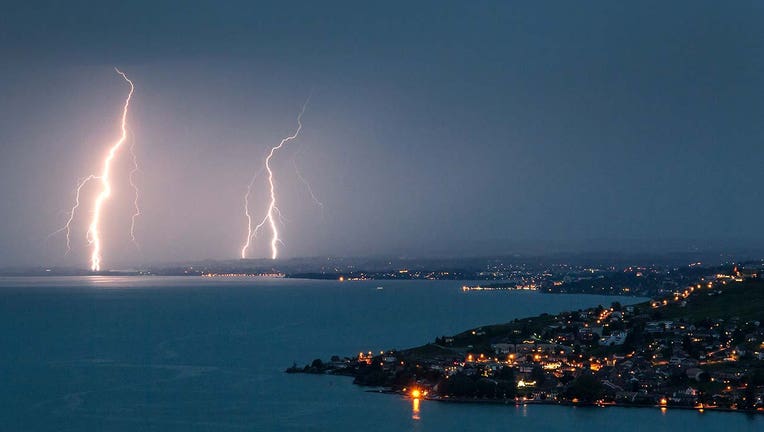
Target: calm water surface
{"points": [[193, 354]]}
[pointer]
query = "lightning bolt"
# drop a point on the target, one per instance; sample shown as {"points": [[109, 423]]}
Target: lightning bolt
{"points": [[94, 235], [273, 209], [67, 228], [136, 207], [307, 186], [248, 214]]}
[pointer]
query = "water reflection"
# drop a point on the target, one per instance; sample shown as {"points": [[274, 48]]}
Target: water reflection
{"points": [[415, 409]]}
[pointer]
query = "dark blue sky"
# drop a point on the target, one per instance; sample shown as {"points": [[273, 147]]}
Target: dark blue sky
{"points": [[434, 127]]}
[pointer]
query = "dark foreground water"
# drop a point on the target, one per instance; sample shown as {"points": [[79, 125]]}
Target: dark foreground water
{"points": [[192, 354]]}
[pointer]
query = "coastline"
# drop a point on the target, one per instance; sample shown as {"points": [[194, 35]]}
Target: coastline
{"points": [[589, 405], [519, 402], [694, 349]]}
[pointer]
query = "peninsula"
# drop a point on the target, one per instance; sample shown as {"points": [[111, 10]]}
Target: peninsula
{"points": [[700, 347]]}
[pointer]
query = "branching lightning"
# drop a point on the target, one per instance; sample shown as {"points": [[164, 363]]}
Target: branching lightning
{"points": [[93, 234], [272, 210], [247, 213], [307, 186], [67, 228], [136, 207]]}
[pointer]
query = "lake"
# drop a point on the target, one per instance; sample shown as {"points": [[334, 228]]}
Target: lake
{"points": [[200, 354]]}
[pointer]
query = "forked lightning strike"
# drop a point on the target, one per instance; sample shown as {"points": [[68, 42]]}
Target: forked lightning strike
{"points": [[247, 213], [307, 186], [136, 207], [93, 233], [272, 207], [67, 228]]}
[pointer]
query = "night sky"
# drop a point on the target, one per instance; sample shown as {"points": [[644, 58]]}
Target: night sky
{"points": [[434, 128]]}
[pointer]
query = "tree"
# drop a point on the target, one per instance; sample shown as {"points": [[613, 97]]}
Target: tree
{"points": [[587, 388], [689, 346], [459, 385], [678, 378], [635, 338], [506, 373], [617, 326], [748, 401], [566, 378], [486, 388], [538, 375], [506, 389]]}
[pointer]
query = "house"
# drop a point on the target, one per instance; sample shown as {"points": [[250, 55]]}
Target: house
{"points": [[616, 338], [503, 348], [694, 373]]}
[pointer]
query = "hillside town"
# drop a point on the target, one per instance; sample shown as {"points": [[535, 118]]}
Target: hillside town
{"points": [[699, 347]]}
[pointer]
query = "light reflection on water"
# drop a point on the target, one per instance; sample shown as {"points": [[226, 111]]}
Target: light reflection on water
{"points": [[415, 409]]}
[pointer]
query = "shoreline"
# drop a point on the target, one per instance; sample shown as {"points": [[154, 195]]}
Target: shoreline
{"points": [[658, 354], [520, 402], [130, 275], [589, 405]]}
